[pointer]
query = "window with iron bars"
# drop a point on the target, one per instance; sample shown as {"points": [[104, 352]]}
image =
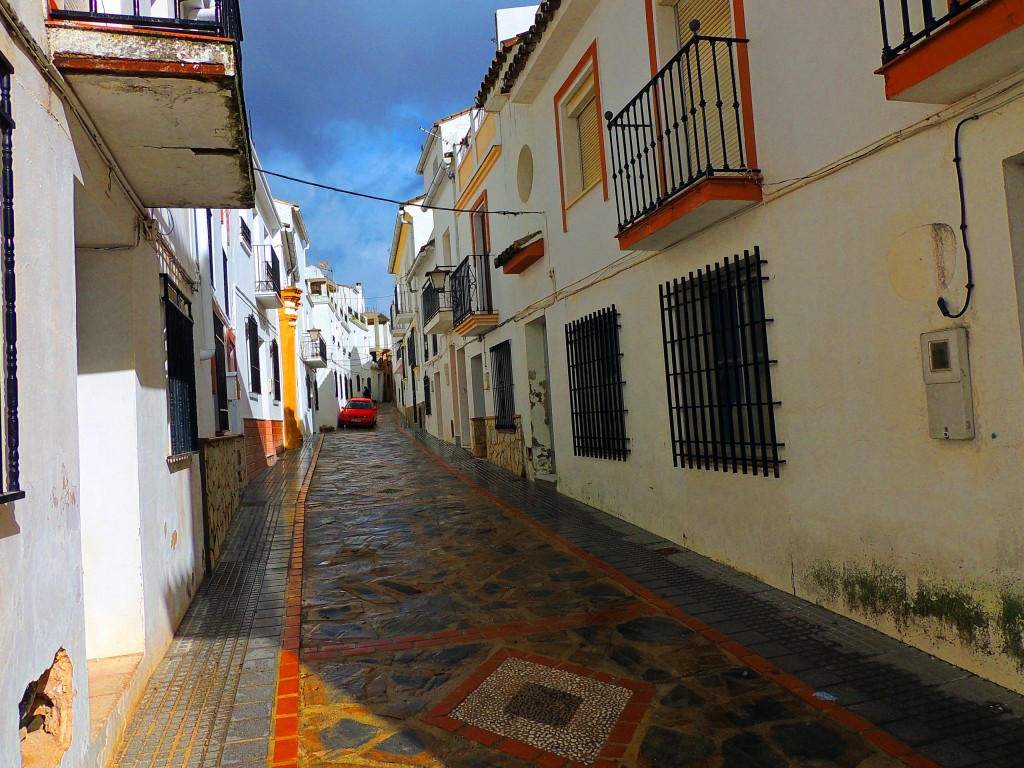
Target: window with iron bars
{"points": [[275, 367], [10, 482], [595, 386], [181, 371], [426, 395], [252, 337], [221, 382], [718, 370], [309, 393], [501, 386]]}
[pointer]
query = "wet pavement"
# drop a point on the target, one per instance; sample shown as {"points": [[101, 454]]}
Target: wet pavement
{"points": [[386, 600], [440, 628]]}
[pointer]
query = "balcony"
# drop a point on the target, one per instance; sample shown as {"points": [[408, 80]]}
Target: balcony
{"points": [[314, 350], [941, 51], [162, 81], [437, 309], [472, 309], [268, 290], [681, 155]]}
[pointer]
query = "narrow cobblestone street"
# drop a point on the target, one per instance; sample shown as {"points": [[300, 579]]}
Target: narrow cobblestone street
{"points": [[439, 612]]}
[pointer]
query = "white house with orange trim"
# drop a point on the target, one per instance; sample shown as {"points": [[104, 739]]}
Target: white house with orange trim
{"points": [[763, 316]]}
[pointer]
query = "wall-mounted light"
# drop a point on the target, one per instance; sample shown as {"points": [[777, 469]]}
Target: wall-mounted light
{"points": [[437, 277]]}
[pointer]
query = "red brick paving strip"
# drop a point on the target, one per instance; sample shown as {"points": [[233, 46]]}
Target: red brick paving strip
{"points": [[284, 748], [876, 736]]}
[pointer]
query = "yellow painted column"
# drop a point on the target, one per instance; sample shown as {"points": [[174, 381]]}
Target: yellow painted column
{"points": [[288, 315]]}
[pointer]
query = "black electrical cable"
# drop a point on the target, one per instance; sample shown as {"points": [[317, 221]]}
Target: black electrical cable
{"points": [[366, 196], [943, 308]]}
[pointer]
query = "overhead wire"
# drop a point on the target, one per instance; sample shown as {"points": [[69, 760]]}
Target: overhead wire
{"points": [[381, 199]]}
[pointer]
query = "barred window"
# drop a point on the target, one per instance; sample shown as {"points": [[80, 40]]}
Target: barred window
{"points": [[501, 386], [426, 395], [252, 337], [181, 371], [221, 381], [595, 386], [275, 367], [718, 370], [10, 482]]}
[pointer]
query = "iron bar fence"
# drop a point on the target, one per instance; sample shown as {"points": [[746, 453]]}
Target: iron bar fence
{"points": [[595, 386], [685, 125], [271, 282], [718, 370], [435, 301], [915, 20], [314, 347], [220, 18], [470, 286]]}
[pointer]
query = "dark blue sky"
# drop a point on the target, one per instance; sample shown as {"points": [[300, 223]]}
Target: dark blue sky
{"points": [[338, 91]]}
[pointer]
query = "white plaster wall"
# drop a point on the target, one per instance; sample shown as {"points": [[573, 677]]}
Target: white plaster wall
{"points": [[41, 604], [863, 481]]}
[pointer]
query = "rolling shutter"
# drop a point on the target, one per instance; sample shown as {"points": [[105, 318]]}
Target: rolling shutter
{"points": [[715, 18], [590, 143]]}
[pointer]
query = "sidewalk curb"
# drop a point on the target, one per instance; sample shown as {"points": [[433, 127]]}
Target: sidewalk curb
{"points": [[284, 748]]}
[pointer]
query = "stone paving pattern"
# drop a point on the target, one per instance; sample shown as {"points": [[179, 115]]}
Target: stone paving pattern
{"points": [[413, 581], [588, 594]]}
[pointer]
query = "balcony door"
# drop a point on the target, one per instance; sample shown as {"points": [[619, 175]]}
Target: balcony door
{"points": [[481, 265], [716, 82]]}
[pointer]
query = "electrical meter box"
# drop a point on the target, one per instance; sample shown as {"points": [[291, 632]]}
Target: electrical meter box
{"points": [[947, 384]]}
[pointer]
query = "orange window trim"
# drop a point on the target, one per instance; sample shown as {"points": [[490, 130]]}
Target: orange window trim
{"points": [[589, 59], [743, 72]]}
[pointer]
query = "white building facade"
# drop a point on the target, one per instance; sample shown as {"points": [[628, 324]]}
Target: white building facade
{"points": [[717, 316]]}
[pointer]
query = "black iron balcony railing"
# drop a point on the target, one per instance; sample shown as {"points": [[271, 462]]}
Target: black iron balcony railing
{"points": [[434, 301], [272, 275], [470, 286], [685, 125], [313, 348], [915, 20], [220, 18]]}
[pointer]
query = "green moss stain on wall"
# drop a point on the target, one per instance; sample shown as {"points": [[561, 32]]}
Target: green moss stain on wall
{"points": [[974, 615]]}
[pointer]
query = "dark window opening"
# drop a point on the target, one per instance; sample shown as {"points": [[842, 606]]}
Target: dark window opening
{"points": [[433, 342], [426, 395], [275, 368], [221, 382], [718, 370], [181, 371], [501, 386], [252, 336], [595, 386]]}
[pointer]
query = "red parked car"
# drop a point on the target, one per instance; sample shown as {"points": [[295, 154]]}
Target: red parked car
{"points": [[358, 411]]}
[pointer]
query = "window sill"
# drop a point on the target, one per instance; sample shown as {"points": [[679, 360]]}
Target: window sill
{"points": [[571, 201], [7, 498], [177, 459]]}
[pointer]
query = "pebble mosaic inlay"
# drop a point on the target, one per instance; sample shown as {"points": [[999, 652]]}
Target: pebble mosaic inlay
{"points": [[513, 683]]}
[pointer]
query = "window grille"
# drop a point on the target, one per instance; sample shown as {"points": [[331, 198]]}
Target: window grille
{"points": [[501, 386], [10, 485], [426, 395], [309, 393], [433, 343], [275, 367], [595, 386], [181, 371], [718, 370], [220, 363], [246, 232], [252, 336]]}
